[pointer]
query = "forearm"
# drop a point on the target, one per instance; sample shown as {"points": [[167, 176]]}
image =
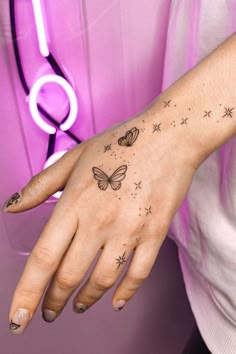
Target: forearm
{"points": [[206, 96]]}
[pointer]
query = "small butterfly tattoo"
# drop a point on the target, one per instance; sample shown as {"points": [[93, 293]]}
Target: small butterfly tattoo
{"points": [[129, 138], [114, 180]]}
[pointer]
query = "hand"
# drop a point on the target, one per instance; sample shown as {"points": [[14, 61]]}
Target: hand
{"points": [[122, 189]]}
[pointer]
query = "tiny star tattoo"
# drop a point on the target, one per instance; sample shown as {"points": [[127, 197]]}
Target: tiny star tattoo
{"points": [[149, 210], [138, 185], [228, 112], [156, 127], [167, 103], [207, 114], [107, 147], [121, 260], [184, 121]]}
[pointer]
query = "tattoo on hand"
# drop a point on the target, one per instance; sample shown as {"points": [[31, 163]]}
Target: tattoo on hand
{"points": [[121, 260], [114, 180], [228, 112], [149, 210], [138, 185], [107, 147], [129, 138], [156, 127], [167, 103], [184, 121], [207, 114]]}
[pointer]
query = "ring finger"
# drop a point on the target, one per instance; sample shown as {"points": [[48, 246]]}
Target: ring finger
{"points": [[105, 274]]}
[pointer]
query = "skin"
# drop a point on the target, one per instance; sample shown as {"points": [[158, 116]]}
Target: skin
{"points": [[177, 132]]}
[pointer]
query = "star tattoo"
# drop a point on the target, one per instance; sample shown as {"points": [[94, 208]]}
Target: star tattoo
{"points": [[207, 114], [228, 112], [149, 210], [107, 147], [138, 185], [167, 103], [184, 121], [156, 127], [121, 260]]}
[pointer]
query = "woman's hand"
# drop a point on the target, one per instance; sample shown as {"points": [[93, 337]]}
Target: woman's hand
{"points": [[122, 189]]}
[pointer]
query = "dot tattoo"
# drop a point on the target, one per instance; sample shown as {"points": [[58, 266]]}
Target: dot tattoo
{"points": [[156, 127], [107, 147], [228, 112], [121, 260]]}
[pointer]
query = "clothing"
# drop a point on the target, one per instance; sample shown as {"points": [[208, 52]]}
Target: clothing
{"points": [[204, 227]]}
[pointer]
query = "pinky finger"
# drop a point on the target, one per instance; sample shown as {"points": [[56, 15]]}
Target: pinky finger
{"points": [[141, 264]]}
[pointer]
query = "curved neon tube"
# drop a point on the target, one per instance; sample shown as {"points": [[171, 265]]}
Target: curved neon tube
{"points": [[33, 103]]}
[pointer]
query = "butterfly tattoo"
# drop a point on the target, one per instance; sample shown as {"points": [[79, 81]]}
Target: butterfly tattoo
{"points": [[114, 180], [129, 138]]}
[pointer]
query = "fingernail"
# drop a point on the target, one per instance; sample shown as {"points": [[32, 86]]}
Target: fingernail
{"points": [[19, 321], [14, 199], [119, 305], [49, 315], [79, 308]]}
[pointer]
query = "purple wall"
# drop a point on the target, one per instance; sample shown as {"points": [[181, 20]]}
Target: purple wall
{"points": [[113, 54]]}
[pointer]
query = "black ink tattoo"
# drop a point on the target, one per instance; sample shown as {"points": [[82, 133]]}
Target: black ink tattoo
{"points": [[156, 127], [114, 180], [121, 260], [107, 147], [184, 121], [228, 112], [13, 326], [149, 210], [173, 123], [129, 138], [207, 114], [167, 103], [138, 185], [14, 199]]}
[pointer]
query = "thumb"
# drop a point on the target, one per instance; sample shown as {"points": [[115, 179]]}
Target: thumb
{"points": [[44, 184]]}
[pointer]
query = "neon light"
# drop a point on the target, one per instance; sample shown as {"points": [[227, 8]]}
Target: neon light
{"points": [[38, 15], [51, 160], [33, 103]]}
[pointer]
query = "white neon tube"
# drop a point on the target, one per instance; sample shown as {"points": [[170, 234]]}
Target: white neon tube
{"points": [[33, 103], [40, 27]]}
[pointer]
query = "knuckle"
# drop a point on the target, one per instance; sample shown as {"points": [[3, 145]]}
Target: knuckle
{"points": [[66, 280], [44, 258], [103, 281], [137, 278]]}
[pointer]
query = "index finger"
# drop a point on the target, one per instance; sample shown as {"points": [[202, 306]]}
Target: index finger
{"points": [[42, 263]]}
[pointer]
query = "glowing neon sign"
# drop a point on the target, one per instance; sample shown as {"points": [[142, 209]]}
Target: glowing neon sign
{"points": [[33, 103], [47, 79]]}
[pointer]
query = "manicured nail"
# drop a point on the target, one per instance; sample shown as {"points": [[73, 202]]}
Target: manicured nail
{"points": [[19, 321], [14, 199], [49, 315], [79, 308], [119, 305]]}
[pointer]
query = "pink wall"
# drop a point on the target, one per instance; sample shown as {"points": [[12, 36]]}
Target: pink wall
{"points": [[113, 52]]}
